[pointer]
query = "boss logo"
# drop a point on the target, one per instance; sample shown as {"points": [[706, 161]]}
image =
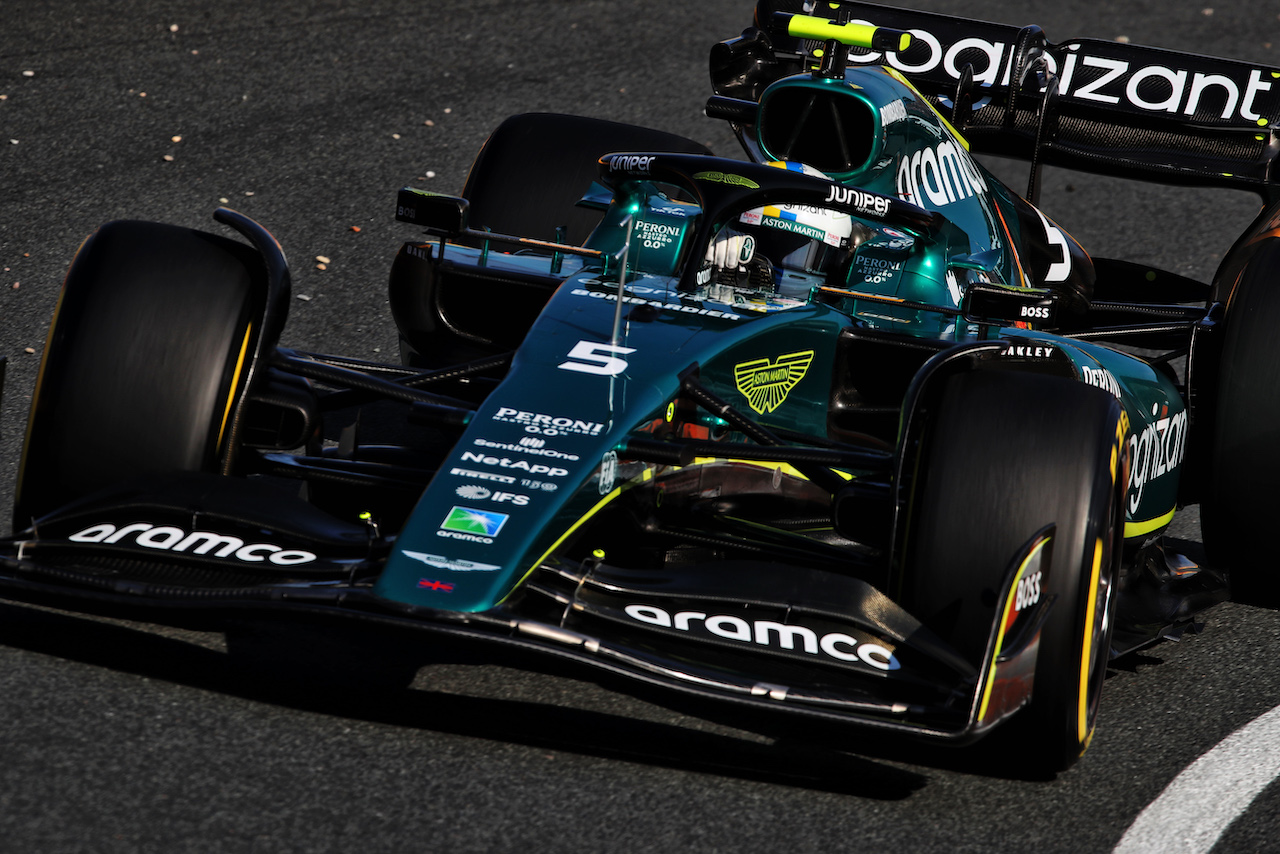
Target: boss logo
{"points": [[1028, 592]]}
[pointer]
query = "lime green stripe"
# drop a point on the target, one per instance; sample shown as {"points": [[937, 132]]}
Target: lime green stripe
{"points": [[1137, 529], [786, 468], [644, 477], [1082, 716], [855, 35], [896, 75]]}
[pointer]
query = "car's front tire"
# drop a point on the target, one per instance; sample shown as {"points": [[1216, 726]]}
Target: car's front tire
{"points": [[1006, 454], [144, 357]]}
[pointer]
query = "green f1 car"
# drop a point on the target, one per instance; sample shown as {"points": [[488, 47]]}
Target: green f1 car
{"points": [[846, 430]]}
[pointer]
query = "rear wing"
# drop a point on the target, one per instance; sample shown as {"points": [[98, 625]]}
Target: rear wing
{"points": [[1087, 104]]}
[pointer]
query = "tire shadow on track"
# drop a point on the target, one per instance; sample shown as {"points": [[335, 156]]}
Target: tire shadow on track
{"points": [[198, 663]]}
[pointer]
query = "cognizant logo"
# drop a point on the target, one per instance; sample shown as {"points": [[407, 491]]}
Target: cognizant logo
{"points": [[940, 175], [1100, 79]]}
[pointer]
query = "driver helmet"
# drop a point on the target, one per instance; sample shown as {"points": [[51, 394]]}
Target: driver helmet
{"points": [[800, 238]]}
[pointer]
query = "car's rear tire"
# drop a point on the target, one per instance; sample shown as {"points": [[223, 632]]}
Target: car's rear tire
{"points": [[144, 355], [1004, 455], [526, 181], [1240, 503], [533, 169]]}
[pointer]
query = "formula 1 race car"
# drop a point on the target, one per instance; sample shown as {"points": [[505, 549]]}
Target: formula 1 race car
{"points": [[847, 430]]}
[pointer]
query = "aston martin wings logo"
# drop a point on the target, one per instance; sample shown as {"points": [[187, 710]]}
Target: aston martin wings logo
{"points": [[766, 384], [456, 564]]}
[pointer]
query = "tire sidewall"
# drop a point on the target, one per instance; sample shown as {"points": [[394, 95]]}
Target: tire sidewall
{"points": [[1240, 498], [143, 360], [1005, 454]]}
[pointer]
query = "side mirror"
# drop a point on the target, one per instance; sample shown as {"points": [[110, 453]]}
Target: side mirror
{"points": [[1007, 304], [434, 211]]}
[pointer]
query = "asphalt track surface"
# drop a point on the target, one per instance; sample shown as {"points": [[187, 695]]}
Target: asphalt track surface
{"points": [[307, 117]]}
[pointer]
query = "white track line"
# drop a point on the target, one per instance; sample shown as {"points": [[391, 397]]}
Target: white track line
{"points": [[1194, 810]]}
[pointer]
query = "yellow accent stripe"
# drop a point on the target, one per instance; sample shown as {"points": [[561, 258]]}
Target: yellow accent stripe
{"points": [[646, 475], [235, 383], [854, 35], [896, 75], [859, 295], [786, 468], [1082, 718], [35, 395], [1137, 529], [1004, 621], [44, 364]]}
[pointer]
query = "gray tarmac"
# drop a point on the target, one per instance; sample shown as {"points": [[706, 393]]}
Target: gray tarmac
{"points": [[307, 116]]}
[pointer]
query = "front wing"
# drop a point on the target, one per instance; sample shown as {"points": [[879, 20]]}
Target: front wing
{"points": [[751, 635]]}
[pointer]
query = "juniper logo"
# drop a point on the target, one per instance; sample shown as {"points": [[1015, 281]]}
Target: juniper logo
{"points": [[766, 384]]}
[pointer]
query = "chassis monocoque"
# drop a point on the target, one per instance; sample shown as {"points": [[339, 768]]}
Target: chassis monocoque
{"points": [[913, 481]]}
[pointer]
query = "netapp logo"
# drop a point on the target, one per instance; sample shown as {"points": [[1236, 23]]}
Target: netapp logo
{"points": [[166, 538], [508, 463]]}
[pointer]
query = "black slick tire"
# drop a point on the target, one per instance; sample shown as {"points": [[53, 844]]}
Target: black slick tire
{"points": [[1242, 496], [1004, 455], [144, 355], [533, 169], [526, 181]]}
